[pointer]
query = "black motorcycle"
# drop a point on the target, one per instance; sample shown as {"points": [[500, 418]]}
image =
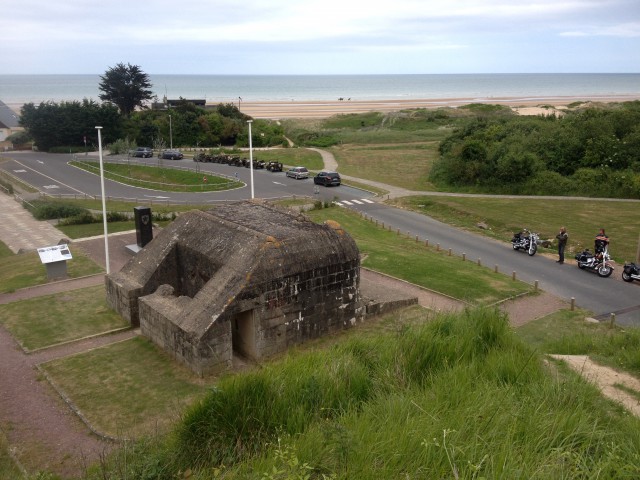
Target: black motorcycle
{"points": [[630, 272], [525, 240], [599, 263]]}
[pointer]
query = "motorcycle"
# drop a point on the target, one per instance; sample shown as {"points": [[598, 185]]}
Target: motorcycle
{"points": [[630, 272], [599, 263], [525, 240]]}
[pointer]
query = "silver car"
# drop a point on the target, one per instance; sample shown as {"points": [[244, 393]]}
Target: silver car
{"points": [[298, 173]]}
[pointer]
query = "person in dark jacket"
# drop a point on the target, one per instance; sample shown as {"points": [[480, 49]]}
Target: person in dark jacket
{"points": [[562, 243]]}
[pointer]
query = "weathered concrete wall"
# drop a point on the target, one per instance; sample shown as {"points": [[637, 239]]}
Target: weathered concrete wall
{"points": [[246, 274]]}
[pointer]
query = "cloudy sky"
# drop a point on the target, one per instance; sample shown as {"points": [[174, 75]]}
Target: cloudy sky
{"points": [[321, 36]]}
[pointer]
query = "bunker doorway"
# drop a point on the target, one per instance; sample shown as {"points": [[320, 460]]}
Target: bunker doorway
{"points": [[243, 335]]}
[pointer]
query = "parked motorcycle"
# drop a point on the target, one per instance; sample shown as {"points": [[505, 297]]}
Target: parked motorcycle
{"points": [[599, 263], [525, 240], [630, 272]]}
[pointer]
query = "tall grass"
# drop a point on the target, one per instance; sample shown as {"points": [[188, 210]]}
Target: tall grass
{"points": [[458, 397]]}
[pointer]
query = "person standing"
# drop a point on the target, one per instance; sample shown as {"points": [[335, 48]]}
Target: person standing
{"points": [[601, 243], [562, 243]]}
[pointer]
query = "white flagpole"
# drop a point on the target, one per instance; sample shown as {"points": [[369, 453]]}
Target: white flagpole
{"points": [[104, 202], [251, 156]]}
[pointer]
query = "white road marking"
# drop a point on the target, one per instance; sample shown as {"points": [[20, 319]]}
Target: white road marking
{"points": [[346, 202], [50, 186], [156, 196], [366, 200], [278, 183], [357, 202], [46, 176], [20, 171]]}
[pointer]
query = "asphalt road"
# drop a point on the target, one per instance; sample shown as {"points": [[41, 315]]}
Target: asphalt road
{"points": [[52, 174], [600, 295]]}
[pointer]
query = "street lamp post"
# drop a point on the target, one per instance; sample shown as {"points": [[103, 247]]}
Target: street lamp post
{"points": [[239, 102], [251, 156], [104, 202], [170, 134]]}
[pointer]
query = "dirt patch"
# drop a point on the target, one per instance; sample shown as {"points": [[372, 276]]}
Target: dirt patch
{"points": [[606, 379]]}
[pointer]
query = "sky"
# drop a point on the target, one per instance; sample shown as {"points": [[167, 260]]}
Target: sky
{"points": [[321, 36]]}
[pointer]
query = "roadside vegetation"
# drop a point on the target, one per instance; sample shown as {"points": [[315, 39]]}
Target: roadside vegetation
{"points": [[505, 216], [402, 257], [591, 150]]}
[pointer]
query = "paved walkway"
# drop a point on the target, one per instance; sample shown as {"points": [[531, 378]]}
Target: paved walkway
{"points": [[20, 231]]}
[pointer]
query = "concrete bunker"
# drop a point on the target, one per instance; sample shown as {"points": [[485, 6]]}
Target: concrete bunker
{"points": [[246, 277]]}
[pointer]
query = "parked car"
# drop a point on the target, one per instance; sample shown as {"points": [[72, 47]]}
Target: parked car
{"points": [[171, 154], [327, 179], [298, 173], [142, 152]]}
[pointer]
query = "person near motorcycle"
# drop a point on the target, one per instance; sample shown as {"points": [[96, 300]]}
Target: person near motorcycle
{"points": [[562, 237], [601, 243]]}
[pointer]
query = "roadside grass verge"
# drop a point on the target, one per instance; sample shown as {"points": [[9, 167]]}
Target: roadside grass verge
{"points": [[504, 216], [127, 388], [160, 178], [458, 396], [409, 260], [26, 270], [406, 166], [52, 319], [161, 207], [565, 332]]}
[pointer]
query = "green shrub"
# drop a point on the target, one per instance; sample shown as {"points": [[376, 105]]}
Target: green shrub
{"points": [[43, 210], [88, 217], [122, 146]]}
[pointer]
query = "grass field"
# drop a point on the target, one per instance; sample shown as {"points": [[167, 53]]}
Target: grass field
{"points": [[405, 258], [26, 270], [127, 388], [4, 250], [453, 397], [160, 178], [405, 166], [504, 216], [52, 319]]}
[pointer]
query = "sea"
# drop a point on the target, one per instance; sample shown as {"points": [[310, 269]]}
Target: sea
{"points": [[21, 89]]}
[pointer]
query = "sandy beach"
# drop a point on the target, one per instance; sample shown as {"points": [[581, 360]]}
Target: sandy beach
{"points": [[323, 108]]}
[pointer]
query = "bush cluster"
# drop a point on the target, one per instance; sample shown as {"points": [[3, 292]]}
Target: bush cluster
{"points": [[590, 152], [43, 210]]}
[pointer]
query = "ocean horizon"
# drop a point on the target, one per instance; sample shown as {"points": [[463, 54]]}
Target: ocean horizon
{"points": [[21, 89]]}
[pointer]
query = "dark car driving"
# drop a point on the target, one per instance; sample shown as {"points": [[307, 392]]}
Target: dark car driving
{"points": [[327, 179], [171, 154], [143, 152]]}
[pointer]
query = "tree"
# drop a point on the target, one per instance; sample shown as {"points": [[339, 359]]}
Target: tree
{"points": [[67, 124], [126, 86]]}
